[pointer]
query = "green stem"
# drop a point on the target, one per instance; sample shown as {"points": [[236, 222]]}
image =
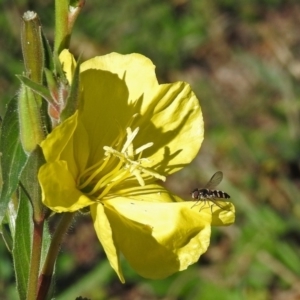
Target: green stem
{"points": [[65, 17], [62, 34], [35, 259], [47, 271]]}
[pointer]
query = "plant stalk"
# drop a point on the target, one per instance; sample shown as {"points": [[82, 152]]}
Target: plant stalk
{"points": [[62, 34], [35, 259], [48, 268]]}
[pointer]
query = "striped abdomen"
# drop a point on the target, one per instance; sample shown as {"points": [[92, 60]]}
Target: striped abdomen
{"points": [[209, 194]]}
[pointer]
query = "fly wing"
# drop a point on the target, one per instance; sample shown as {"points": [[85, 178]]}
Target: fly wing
{"points": [[215, 180]]}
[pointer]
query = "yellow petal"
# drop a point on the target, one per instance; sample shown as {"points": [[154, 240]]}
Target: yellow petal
{"points": [[68, 63], [157, 239], [137, 71], [222, 213], [69, 141], [223, 216], [123, 90], [149, 193], [206, 211], [57, 140], [59, 189], [176, 127], [105, 235]]}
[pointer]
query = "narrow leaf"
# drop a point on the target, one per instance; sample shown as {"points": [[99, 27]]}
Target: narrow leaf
{"points": [[36, 87], [30, 183], [22, 244], [13, 158], [8, 233]]}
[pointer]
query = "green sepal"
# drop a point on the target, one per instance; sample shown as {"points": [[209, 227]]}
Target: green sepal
{"points": [[45, 118], [49, 63], [13, 157], [52, 86], [72, 100], [22, 244], [36, 87]]}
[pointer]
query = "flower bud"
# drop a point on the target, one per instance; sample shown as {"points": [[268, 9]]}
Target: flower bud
{"points": [[29, 103], [31, 129], [32, 46]]}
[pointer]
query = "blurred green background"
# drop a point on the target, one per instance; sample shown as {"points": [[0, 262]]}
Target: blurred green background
{"points": [[243, 60]]}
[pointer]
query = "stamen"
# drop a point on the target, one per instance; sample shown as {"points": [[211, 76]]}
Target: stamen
{"points": [[142, 148], [130, 138], [138, 176], [133, 165], [130, 164], [111, 185], [93, 175], [104, 180]]}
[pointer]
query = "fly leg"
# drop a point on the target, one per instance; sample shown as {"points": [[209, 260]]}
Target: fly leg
{"points": [[214, 200], [200, 201]]}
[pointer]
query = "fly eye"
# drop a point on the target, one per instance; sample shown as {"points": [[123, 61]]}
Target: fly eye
{"points": [[195, 194]]}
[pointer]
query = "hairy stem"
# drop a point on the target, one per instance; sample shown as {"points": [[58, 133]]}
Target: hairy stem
{"points": [[35, 259], [47, 271]]}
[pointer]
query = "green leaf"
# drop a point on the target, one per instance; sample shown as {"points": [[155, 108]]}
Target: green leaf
{"points": [[30, 183], [22, 244], [8, 233], [7, 239], [36, 87], [13, 158]]}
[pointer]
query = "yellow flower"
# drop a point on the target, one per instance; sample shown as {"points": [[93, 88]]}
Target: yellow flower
{"points": [[128, 133]]}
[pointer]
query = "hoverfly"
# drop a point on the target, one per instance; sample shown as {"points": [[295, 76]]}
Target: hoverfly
{"points": [[208, 193]]}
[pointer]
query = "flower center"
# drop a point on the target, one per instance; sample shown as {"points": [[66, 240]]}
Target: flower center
{"points": [[118, 165]]}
